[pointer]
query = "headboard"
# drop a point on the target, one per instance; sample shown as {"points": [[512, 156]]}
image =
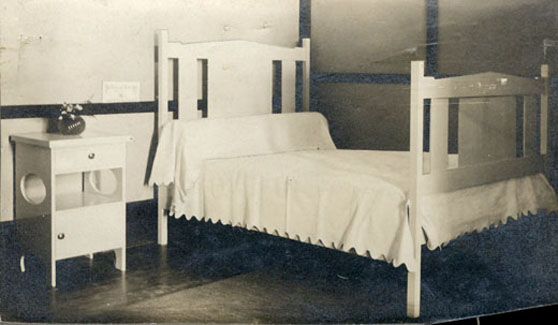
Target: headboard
{"points": [[233, 78]]}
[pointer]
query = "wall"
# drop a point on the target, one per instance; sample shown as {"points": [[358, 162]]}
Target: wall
{"points": [[55, 51], [497, 35], [355, 43], [369, 37], [62, 50]]}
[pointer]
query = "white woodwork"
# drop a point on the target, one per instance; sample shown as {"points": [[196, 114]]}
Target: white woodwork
{"points": [[306, 75], [87, 157], [56, 140], [162, 79], [90, 229], [239, 75], [439, 122], [545, 74], [120, 259], [74, 197], [133, 124], [162, 117], [487, 139], [480, 85], [417, 129], [79, 214], [239, 82], [239, 85], [40, 166], [288, 86]]}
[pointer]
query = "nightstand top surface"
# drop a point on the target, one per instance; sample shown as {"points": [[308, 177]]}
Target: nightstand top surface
{"points": [[55, 140]]}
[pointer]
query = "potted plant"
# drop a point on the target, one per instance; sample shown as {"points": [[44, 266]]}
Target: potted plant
{"points": [[69, 123]]}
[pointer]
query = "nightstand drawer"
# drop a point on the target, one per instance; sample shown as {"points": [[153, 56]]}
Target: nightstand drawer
{"points": [[89, 230], [68, 160]]}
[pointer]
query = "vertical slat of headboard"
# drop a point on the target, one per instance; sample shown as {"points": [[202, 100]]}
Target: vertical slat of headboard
{"points": [[306, 75], [439, 112], [288, 86], [162, 78], [529, 126], [544, 108], [188, 80]]}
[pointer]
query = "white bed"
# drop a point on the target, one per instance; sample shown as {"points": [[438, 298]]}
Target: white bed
{"points": [[281, 173]]}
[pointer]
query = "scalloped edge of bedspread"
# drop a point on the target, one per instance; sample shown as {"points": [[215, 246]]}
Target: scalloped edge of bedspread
{"points": [[517, 198], [410, 265]]}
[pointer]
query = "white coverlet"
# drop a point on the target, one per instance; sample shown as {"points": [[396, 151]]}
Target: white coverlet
{"points": [[357, 198], [282, 174]]}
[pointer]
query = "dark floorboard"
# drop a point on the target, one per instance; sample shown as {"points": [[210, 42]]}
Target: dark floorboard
{"points": [[215, 273]]}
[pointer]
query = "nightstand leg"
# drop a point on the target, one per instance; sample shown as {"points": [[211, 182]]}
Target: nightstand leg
{"points": [[120, 262], [53, 273]]}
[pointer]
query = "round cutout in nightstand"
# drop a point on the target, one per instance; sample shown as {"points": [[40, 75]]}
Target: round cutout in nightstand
{"points": [[103, 181], [33, 189]]}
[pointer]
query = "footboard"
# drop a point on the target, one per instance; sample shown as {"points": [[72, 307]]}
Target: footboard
{"points": [[496, 124]]}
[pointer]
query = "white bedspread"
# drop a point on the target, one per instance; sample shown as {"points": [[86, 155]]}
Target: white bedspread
{"points": [[357, 198], [345, 199]]}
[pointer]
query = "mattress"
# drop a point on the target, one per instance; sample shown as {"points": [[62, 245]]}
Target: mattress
{"points": [[351, 200]]}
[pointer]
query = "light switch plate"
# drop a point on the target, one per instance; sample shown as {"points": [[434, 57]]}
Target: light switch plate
{"points": [[121, 91]]}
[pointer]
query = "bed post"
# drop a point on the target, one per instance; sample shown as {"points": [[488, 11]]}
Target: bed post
{"points": [[417, 120], [545, 74], [162, 116]]}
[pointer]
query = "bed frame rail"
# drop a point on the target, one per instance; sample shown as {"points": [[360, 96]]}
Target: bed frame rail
{"points": [[490, 125]]}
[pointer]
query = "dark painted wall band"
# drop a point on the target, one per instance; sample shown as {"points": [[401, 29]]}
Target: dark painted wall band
{"points": [[432, 37], [51, 111], [304, 21]]}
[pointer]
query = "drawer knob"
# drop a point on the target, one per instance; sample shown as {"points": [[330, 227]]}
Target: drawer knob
{"points": [[61, 235], [91, 155]]}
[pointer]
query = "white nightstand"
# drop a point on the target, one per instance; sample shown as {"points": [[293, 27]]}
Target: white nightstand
{"points": [[70, 196]]}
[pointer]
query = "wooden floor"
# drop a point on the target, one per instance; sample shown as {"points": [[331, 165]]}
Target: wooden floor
{"points": [[219, 274]]}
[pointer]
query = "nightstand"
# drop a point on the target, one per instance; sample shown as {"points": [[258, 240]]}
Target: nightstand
{"points": [[70, 196]]}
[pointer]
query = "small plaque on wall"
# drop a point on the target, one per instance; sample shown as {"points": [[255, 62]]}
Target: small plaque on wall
{"points": [[121, 91]]}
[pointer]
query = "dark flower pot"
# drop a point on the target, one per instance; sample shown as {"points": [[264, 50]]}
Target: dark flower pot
{"points": [[71, 127]]}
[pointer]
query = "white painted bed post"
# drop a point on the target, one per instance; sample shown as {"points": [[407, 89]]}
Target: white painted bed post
{"points": [[306, 75], [545, 75], [417, 120], [162, 116]]}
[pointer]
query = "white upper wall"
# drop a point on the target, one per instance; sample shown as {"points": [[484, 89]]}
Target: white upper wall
{"points": [[494, 35], [367, 36], [55, 51]]}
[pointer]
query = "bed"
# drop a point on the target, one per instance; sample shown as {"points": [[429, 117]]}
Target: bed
{"points": [[237, 163]]}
